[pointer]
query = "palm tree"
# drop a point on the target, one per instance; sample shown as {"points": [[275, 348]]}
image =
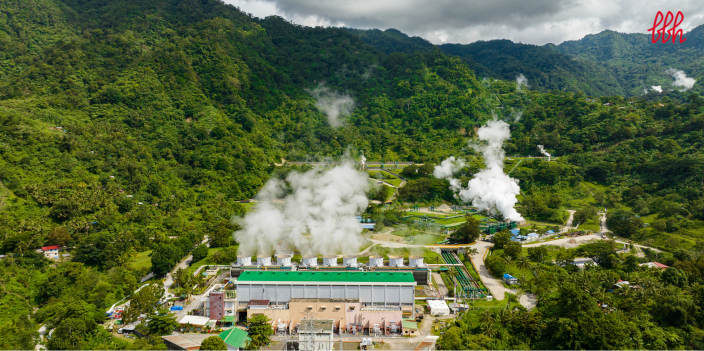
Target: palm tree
{"points": [[487, 322], [179, 276], [523, 264], [471, 251]]}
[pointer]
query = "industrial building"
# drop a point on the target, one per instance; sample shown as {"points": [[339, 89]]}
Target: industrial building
{"points": [[416, 266], [373, 302]]}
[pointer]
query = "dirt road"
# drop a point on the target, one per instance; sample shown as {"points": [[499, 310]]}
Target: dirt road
{"points": [[568, 225], [442, 289]]}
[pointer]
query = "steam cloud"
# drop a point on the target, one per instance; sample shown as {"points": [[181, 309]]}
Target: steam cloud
{"points": [[332, 103], [318, 217], [518, 116], [657, 88], [490, 189], [542, 151], [522, 81], [447, 168], [681, 79]]}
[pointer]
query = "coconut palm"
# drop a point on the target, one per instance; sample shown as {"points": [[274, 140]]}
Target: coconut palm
{"points": [[523, 264]]}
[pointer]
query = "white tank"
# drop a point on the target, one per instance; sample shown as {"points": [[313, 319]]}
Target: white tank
{"points": [[396, 261], [329, 261], [264, 261], [283, 260], [349, 261], [376, 261], [310, 261], [244, 260], [416, 261]]}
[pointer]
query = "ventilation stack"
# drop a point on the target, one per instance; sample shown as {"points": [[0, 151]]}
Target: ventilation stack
{"points": [[264, 261], [283, 260], [244, 260], [310, 260], [396, 261], [416, 261], [349, 261], [376, 261], [330, 261]]}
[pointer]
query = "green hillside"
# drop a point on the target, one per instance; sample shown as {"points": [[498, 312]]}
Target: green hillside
{"points": [[130, 131], [608, 63]]}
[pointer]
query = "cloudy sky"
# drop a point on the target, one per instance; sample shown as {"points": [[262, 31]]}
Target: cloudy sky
{"points": [[466, 21]]}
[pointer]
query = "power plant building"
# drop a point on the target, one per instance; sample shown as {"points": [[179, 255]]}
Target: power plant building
{"points": [[358, 301], [370, 287]]}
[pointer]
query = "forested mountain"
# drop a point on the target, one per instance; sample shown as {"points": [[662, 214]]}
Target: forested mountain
{"points": [[608, 63], [129, 126]]}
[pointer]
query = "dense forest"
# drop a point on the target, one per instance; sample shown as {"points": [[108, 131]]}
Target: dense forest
{"points": [[607, 63], [129, 126]]}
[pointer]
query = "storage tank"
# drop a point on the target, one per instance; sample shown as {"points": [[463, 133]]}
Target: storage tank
{"points": [[264, 261], [283, 260], [310, 260], [244, 260], [330, 261], [396, 261], [416, 261], [376, 261], [349, 261]]}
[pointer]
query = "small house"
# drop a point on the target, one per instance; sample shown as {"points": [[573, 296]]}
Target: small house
{"points": [[438, 308], [234, 338], [196, 322], [410, 327], [51, 252], [532, 236], [509, 279], [622, 284], [656, 265]]}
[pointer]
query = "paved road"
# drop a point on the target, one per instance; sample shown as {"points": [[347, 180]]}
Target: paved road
{"points": [[42, 331], [566, 242], [182, 265]]}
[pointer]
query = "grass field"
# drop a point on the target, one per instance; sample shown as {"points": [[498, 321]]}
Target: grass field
{"points": [[428, 256], [493, 303], [395, 181], [208, 260], [451, 220], [142, 260], [248, 206]]}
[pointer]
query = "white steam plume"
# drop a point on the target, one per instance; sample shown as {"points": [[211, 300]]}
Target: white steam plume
{"points": [[681, 79], [447, 168], [657, 88], [542, 151], [332, 103], [491, 189], [318, 217], [522, 81], [518, 116]]}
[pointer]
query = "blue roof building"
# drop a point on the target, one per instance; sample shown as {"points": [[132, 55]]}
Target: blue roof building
{"points": [[514, 231], [509, 279]]}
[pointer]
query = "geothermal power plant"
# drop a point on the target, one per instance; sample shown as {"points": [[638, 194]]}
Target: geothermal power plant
{"points": [[333, 263], [369, 298]]}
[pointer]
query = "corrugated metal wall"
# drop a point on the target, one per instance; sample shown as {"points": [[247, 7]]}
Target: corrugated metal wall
{"points": [[388, 294]]}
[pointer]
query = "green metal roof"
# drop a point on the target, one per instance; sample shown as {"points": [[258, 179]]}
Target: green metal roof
{"points": [[228, 319], [234, 337], [406, 324], [351, 277]]}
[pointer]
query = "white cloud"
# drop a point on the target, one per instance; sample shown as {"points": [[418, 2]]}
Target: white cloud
{"points": [[456, 21]]}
